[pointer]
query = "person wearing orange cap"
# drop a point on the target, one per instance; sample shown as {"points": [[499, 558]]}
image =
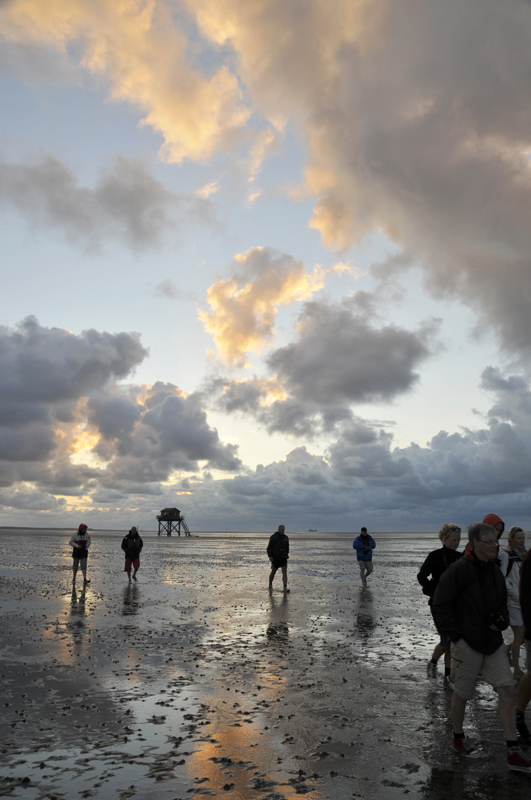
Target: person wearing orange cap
{"points": [[80, 541], [495, 522], [499, 526]]}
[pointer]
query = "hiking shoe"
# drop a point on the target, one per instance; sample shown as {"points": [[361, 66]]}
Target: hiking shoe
{"points": [[517, 761], [431, 669], [134, 577], [523, 731], [464, 749], [447, 683], [86, 581], [286, 590]]}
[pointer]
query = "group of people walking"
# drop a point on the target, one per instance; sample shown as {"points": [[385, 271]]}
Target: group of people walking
{"points": [[80, 542], [474, 596]]}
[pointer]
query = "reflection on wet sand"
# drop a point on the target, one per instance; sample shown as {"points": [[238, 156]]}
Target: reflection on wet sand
{"points": [[131, 595]]}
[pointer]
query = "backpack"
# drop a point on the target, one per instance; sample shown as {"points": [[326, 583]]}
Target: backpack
{"points": [[280, 549]]}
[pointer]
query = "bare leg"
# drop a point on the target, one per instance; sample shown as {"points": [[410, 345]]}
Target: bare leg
{"points": [[285, 575], [75, 573], [458, 708], [363, 569], [507, 711], [272, 575], [438, 652], [516, 644], [524, 693]]}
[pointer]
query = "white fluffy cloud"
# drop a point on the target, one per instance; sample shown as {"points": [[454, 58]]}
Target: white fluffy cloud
{"points": [[243, 307]]}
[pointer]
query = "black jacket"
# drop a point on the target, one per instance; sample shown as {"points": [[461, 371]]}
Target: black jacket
{"points": [[132, 545], [278, 547], [436, 563], [468, 592]]}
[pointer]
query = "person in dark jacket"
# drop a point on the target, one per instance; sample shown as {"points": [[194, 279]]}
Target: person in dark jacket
{"points": [[429, 576], [132, 545], [470, 607], [364, 545], [524, 687], [278, 554]]}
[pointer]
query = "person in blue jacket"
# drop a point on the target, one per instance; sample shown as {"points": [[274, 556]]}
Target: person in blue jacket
{"points": [[364, 545]]}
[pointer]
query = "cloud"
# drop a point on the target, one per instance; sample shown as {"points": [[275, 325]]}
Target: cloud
{"points": [[340, 357], [167, 288], [69, 426], [417, 130], [126, 203], [137, 50], [148, 435], [244, 306]]}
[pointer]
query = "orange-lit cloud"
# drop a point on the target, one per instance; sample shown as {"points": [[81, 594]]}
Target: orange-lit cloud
{"points": [[243, 307], [135, 46]]}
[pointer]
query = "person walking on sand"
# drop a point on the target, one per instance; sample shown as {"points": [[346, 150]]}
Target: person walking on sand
{"points": [[429, 576], [132, 545], [364, 545], [278, 554], [510, 562], [470, 607], [80, 541]]}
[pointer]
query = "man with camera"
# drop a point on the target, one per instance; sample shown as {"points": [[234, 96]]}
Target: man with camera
{"points": [[470, 607]]}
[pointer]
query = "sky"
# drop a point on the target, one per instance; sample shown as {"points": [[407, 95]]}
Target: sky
{"points": [[265, 261]]}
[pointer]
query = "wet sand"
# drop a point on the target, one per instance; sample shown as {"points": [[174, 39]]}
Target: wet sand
{"points": [[195, 682]]}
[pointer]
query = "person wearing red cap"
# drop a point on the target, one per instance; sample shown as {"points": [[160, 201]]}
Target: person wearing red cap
{"points": [[80, 541]]}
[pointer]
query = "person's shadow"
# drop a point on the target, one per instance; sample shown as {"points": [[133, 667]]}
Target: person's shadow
{"points": [[130, 600], [77, 607], [365, 620]]}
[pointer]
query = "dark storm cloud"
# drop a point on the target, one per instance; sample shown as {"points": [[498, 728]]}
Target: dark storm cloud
{"points": [[57, 388], [31, 501], [340, 357], [148, 441], [41, 367], [126, 203], [463, 474]]}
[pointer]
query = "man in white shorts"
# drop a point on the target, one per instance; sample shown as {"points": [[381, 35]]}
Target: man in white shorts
{"points": [[470, 607]]}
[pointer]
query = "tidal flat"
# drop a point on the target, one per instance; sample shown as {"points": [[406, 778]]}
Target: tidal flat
{"points": [[194, 682]]}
